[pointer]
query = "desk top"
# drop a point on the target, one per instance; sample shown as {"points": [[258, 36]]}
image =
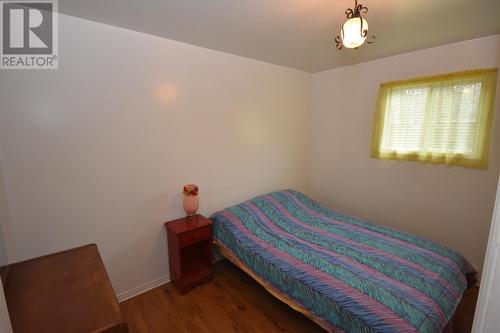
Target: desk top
{"points": [[67, 291]]}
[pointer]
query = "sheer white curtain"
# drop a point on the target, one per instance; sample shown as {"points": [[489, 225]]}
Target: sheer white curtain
{"points": [[445, 119]]}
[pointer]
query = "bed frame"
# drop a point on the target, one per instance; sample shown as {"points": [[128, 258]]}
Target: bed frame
{"points": [[228, 254]]}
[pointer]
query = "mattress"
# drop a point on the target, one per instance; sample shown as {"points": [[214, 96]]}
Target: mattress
{"points": [[355, 275]]}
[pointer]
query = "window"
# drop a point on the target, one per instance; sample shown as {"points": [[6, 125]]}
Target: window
{"points": [[439, 119]]}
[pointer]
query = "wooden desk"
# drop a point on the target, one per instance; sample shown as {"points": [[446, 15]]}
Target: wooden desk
{"points": [[189, 251], [64, 292]]}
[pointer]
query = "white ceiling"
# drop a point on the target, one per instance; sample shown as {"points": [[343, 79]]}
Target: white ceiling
{"points": [[297, 33]]}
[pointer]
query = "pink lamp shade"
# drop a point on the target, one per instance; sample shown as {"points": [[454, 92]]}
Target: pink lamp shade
{"points": [[191, 202]]}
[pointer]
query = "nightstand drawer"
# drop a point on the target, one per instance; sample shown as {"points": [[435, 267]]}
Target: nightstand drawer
{"points": [[195, 236]]}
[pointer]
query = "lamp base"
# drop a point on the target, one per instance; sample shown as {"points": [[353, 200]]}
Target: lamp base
{"points": [[192, 220]]}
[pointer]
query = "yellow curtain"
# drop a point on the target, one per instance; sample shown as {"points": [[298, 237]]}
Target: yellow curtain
{"points": [[437, 119]]}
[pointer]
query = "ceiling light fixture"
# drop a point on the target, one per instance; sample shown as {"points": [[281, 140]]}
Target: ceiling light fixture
{"points": [[354, 31]]}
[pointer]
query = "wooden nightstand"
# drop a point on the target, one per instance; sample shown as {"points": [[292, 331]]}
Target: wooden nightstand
{"points": [[190, 251]]}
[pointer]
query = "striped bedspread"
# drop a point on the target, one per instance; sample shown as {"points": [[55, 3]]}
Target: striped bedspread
{"points": [[356, 275]]}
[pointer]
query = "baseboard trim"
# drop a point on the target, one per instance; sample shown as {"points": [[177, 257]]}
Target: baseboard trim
{"points": [[142, 288]]}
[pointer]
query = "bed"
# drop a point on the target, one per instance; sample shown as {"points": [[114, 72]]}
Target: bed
{"points": [[346, 274]]}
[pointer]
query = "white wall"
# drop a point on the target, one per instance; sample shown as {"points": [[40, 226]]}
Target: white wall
{"points": [[6, 251], [486, 318], [98, 151], [7, 241], [5, 325], [452, 205]]}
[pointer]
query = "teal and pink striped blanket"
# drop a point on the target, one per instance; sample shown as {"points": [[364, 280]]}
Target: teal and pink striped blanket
{"points": [[356, 275]]}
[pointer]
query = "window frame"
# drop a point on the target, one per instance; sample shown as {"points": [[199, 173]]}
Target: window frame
{"points": [[488, 79]]}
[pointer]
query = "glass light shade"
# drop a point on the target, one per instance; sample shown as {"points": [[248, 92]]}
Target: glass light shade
{"points": [[351, 33]]}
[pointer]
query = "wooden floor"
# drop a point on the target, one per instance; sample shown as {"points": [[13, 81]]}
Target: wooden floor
{"points": [[233, 302]]}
